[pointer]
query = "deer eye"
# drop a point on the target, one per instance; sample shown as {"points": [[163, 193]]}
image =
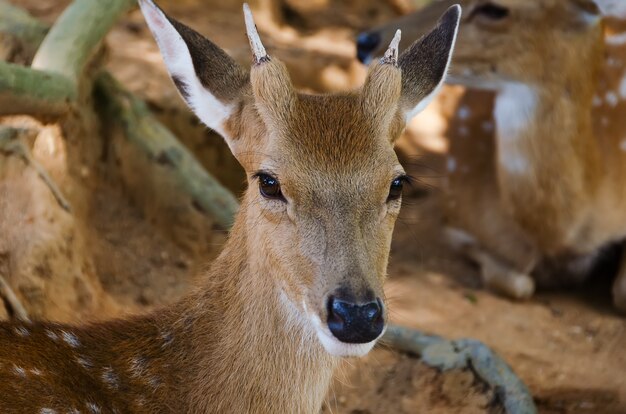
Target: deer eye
{"points": [[395, 189], [269, 187], [490, 11]]}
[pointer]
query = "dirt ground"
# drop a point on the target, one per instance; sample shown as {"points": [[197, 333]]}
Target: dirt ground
{"points": [[568, 346]]}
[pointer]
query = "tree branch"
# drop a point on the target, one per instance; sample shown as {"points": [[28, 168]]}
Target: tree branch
{"points": [[160, 145], [73, 39], [10, 142], [20, 33], [34, 92], [10, 298], [471, 354]]}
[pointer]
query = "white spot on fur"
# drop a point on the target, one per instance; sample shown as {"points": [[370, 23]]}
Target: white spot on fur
{"points": [[597, 101], [138, 367], [515, 106], [73, 411], [611, 99], [52, 335], [177, 58], [84, 362], [616, 40], [109, 377], [167, 338], [451, 164], [70, 339], [154, 381], [464, 112], [93, 408], [47, 411], [613, 62], [19, 371], [36, 372], [21, 331]]}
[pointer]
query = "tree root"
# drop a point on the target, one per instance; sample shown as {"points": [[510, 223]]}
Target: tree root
{"points": [[161, 146], [471, 354], [11, 142]]}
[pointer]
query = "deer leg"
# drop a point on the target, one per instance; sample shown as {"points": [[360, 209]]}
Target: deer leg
{"points": [[496, 275]]}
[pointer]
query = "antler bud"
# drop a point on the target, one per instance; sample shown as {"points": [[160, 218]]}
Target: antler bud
{"points": [[258, 51], [391, 55]]}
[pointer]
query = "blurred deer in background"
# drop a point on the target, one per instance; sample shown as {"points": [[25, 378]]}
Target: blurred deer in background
{"points": [[299, 283], [550, 194]]}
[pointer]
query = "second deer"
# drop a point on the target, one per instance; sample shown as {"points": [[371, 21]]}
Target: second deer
{"points": [[299, 282], [550, 196]]}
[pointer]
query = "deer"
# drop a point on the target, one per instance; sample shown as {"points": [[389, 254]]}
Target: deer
{"points": [[299, 283], [541, 195]]}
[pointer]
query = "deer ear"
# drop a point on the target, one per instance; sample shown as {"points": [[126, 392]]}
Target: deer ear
{"points": [[425, 63], [210, 81]]}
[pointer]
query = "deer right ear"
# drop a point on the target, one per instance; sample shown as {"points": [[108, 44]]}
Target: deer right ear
{"points": [[425, 64], [210, 81]]}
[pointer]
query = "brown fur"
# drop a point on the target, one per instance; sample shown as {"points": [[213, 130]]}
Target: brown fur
{"points": [[557, 218]]}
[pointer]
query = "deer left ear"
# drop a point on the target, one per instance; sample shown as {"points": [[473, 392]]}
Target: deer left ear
{"points": [[425, 64]]}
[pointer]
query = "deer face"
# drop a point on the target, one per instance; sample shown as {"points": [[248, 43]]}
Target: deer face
{"points": [[505, 41], [324, 182]]}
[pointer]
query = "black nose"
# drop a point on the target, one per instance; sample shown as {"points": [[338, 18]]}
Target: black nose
{"points": [[366, 44], [354, 323]]}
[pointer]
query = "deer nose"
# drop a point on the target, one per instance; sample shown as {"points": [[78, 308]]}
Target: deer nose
{"points": [[355, 323], [366, 43]]}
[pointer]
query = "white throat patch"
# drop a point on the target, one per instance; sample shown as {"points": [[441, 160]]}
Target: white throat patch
{"points": [[515, 107]]}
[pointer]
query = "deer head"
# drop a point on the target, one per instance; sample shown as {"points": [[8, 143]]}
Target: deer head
{"points": [[324, 182], [504, 41]]}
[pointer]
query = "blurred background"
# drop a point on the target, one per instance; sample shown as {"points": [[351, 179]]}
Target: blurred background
{"points": [[132, 239]]}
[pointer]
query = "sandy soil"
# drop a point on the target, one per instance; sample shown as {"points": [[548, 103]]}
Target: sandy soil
{"points": [[567, 345]]}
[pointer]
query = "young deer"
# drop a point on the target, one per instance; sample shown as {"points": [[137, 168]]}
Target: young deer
{"points": [[299, 283], [556, 194]]}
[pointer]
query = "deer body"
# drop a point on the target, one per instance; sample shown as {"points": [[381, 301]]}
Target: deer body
{"points": [[556, 172], [299, 283], [204, 354]]}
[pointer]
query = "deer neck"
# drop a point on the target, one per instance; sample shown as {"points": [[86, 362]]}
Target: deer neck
{"points": [[255, 352], [547, 159]]}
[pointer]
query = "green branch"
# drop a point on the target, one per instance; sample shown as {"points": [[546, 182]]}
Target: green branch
{"points": [[19, 31], [34, 92], [74, 38], [161, 146]]}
